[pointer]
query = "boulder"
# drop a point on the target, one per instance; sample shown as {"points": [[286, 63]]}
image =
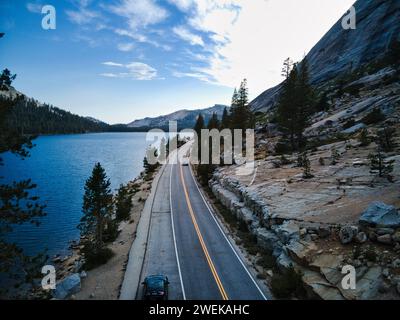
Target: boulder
{"points": [[70, 285], [287, 231], [361, 237], [347, 234], [324, 232], [385, 239], [266, 239], [380, 214], [396, 237], [382, 231], [396, 263], [301, 251]]}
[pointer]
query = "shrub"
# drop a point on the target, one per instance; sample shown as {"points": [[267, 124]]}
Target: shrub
{"points": [[335, 156], [94, 259], [375, 116], [363, 138], [386, 139], [288, 284], [371, 255], [321, 161]]}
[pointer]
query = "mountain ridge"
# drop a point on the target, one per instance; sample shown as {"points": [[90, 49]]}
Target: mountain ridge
{"points": [[186, 118], [342, 51]]}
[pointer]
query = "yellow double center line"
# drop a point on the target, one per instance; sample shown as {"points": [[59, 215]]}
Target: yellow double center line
{"points": [[203, 245]]}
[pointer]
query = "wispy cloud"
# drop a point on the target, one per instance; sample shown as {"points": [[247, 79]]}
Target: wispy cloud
{"points": [[183, 5], [141, 38], [140, 13], [125, 47], [82, 14], [34, 7], [186, 35], [134, 70]]}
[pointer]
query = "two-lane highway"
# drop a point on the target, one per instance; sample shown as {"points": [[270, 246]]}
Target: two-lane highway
{"points": [[196, 254]]}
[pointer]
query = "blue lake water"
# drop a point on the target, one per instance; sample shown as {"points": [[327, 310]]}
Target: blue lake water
{"points": [[60, 165]]}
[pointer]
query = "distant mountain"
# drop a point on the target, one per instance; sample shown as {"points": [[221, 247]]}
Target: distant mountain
{"points": [[185, 118], [343, 51]]}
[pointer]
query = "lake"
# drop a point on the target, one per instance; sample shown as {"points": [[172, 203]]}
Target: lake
{"points": [[60, 165]]}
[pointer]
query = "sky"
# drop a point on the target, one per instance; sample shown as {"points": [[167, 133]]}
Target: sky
{"points": [[121, 60]]}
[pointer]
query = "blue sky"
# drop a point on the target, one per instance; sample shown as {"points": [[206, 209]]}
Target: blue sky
{"points": [[120, 60]]}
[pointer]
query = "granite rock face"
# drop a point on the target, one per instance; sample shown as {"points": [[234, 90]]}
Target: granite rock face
{"points": [[341, 51]]}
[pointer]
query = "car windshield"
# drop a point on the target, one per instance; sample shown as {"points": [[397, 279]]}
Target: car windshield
{"points": [[155, 283]]}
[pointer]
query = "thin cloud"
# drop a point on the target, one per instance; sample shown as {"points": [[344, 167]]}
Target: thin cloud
{"points": [[134, 70], [188, 36], [34, 7], [125, 47], [139, 13]]}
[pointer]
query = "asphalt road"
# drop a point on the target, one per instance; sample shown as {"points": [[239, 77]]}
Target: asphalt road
{"points": [[187, 244]]}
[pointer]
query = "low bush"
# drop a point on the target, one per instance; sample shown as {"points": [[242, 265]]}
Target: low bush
{"points": [[288, 284], [95, 258]]}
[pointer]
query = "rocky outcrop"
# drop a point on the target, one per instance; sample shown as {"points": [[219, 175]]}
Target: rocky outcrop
{"points": [[341, 51], [297, 243]]}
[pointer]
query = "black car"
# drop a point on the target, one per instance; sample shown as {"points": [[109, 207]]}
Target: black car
{"points": [[155, 287]]}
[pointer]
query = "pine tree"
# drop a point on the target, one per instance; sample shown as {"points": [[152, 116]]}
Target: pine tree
{"points": [[377, 162], [287, 68], [97, 207], [123, 203], [287, 108], [306, 166], [241, 115], [17, 204], [6, 79], [363, 138], [296, 104], [225, 121], [213, 123], [149, 167], [305, 100], [199, 125], [385, 139], [323, 104]]}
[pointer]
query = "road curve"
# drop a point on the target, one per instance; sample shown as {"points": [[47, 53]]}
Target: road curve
{"points": [[187, 244]]}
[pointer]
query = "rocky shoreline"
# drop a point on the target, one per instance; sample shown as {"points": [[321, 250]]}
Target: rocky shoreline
{"points": [[103, 282]]}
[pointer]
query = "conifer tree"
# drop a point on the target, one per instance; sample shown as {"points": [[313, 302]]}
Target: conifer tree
{"points": [[241, 115], [17, 204], [296, 104], [97, 207], [287, 68], [225, 121], [213, 123]]}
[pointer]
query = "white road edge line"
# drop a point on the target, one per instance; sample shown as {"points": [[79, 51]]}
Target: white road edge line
{"points": [[173, 232], [226, 238]]}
